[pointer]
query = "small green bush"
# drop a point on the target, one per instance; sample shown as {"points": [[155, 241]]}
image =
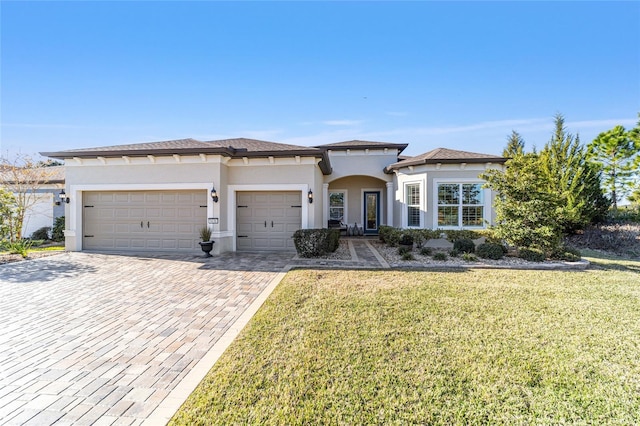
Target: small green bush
{"points": [[454, 253], [403, 250], [407, 256], [393, 237], [384, 231], [41, 234], [406, 239], [566, 253], [440, 256], [469, 257], [57, 234], [490, 251], [316, 242], [531, 254], [426, 251], [464, 245], [20, 247], [454, 235]]}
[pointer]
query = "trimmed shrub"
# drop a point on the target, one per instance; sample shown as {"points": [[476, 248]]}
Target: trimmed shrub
{"points": [[403, 250], [567, 253], [384, 231], [57, 234], [469, 257], [393, 237], [531, 254], [41, 234], [406, 239], [453, 253], [426, 251], [454, 235], [440, 256], [407, 256], [464, 245], [316, 242], [490, 251]]}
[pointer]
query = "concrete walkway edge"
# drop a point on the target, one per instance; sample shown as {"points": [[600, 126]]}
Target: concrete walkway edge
{"points": [[172, 403]]}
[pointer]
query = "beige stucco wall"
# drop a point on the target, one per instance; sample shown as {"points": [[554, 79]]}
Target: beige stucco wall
{"points": [[361, 162], [429, 176], [192, 172], [355, 186]]}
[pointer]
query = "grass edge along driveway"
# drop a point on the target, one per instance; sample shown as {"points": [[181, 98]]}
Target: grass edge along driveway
{"points": [[473, 347]]}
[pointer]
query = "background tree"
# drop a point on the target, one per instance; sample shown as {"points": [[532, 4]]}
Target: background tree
{"points": [[573, 179], [8, 209], [22, 177], [515, 145], [617, 154]]}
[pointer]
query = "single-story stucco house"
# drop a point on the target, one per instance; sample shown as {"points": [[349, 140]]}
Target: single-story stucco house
{"points": [[255, 194]]}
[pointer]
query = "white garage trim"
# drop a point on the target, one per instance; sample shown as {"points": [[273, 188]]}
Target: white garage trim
{"points": [[75, 195], [231, 208]]}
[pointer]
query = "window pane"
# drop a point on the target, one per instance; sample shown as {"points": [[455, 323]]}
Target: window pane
{"points": [[448, 193], [472, 216], [336, 213], [413, 195], [448, 216], [336, 199], [413, 216], [472, 193]]}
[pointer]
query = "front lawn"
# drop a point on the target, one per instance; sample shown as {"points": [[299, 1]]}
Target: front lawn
{"points": [[396, 347]]}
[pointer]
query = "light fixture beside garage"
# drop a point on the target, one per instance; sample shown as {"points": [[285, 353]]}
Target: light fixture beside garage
{"points": [[310, 196], [63, 197], [214, 194]]}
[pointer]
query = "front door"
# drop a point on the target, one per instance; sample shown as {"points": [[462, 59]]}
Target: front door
{"points": [[371, 212]]}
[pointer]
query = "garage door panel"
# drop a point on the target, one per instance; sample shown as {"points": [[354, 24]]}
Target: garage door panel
{"points": [[169, 222], [273, 208]]}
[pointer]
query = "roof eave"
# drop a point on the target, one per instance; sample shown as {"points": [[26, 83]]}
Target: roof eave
{"points": [[405, 163]]}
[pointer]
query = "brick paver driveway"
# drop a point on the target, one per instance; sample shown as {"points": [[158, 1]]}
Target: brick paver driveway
{"points": [[94, 338]]}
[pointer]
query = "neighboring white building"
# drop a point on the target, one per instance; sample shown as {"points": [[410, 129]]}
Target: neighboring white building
{"points": [[255, 194]]}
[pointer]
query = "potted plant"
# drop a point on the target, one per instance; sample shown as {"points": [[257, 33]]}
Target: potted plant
{"points": [[206, 244], [406, 241]]}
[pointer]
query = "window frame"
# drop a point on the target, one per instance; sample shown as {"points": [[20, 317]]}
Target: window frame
{"points": [[407, 206], [460, 205], [344, 203]]}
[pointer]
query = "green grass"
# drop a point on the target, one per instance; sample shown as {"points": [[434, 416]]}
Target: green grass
{"points": [[394, 347]]}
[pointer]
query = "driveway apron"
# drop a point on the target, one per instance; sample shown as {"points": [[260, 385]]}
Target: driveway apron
{"points": [[94, 338]]}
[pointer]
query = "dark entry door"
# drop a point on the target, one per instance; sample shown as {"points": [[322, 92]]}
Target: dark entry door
{"points": [[371, 212]]}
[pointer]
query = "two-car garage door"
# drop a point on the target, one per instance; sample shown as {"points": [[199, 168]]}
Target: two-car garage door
{"points": [[170, 220], [143, 220]]}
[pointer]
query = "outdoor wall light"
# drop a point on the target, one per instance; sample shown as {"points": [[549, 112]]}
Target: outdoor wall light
{"points": [[214, 195], [63, 197], [310, 196]]}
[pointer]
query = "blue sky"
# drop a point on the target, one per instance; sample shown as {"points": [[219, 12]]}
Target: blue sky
{"points": [[458, 75]]}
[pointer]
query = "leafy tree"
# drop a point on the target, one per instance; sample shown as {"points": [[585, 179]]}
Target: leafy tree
{"points": [[569, 175], [22, 177], [525, 209], [617, 154], [515, 145]]}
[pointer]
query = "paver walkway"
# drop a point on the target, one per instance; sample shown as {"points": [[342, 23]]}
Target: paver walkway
{"points": [[88, 338], [363, 255]]}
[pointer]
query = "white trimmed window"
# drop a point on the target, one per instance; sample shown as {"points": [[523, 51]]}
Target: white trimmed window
{"points": [[336, 205], [412, 193], [460, 205]]}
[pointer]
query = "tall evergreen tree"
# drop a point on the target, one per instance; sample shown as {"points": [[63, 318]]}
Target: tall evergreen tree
{"points": [[515, 145], [564, 163], [617, 154]]}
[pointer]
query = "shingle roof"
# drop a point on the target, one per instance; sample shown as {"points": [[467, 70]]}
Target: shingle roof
{"points": [[44, 175], [187, 146], [363, 145], [235, 148], [444, 155]]}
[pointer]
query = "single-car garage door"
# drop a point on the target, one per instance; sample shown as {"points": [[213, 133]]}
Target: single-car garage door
{"points": [[266, 220], [143, 220]]}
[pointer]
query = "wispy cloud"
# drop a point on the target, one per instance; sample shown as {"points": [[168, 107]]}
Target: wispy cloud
{"points": [[342, 122]]}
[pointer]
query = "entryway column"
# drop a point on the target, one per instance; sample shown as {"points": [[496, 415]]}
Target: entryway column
{"points": [[390, 202], [325, 205]]}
